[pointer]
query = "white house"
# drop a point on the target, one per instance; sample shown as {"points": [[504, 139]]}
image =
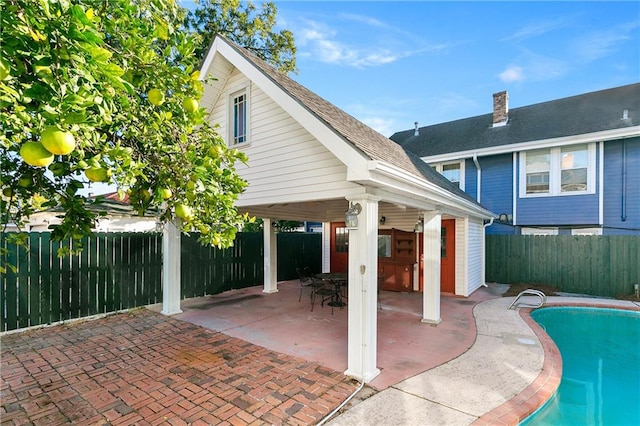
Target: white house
{"points": [[308, 160]]}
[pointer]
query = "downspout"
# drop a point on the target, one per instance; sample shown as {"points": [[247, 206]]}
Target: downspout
{"points": [[484, 252], [623, 217], [478, 177]]}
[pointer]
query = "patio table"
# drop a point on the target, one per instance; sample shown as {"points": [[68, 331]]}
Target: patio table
{"points": [[337, 280]]}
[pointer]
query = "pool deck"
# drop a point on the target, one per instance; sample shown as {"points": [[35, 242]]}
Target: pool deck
{"points": [[511, 370]]}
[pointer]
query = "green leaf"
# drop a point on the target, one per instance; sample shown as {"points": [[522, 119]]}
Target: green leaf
{"points": [[99, 54], [112, 70], [78, 12]]}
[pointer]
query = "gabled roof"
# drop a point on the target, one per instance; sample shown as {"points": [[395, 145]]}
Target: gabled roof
{"points": [[577, 115], [371, 144]]}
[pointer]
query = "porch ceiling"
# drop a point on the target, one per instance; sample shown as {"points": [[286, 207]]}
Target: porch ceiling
{"points": [[395, 215]]}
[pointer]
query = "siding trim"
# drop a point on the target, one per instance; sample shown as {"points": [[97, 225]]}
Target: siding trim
{"points": [[515, 188], [600, 183], [605, 135]]}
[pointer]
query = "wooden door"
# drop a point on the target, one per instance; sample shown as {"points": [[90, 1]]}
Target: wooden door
{"points": [[448, 256], [339, 255]]}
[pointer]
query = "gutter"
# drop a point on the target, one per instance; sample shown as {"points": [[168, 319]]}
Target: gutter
{"points": [[478, 177], [403, 176], [603, 136], [623, 201], [484, 252]]}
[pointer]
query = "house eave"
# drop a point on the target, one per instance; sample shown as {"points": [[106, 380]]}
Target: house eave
{"points": [[387, 176], [606, 135]]}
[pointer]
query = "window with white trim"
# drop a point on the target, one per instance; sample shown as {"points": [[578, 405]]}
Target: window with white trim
{"points": [[539, 231], [566, 170], [452, 171], [238, 118]]}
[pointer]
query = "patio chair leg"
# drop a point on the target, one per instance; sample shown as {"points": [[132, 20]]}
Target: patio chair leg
{"points": [[313, 298]]}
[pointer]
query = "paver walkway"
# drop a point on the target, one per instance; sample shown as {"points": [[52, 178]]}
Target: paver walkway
{"points": [[144, 368]]}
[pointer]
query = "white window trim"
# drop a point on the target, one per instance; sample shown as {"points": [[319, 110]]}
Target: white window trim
{"points": [[538, 231], [586, 231], [231, 94], [555, 173], [461, 163]]}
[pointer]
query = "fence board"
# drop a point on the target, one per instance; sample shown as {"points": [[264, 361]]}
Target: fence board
{"points": [[34, 279], [56, 278], [118, 271], [596, 265], [23, 287], [45, 279]]}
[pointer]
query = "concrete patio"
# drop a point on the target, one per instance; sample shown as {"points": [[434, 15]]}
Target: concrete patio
{"points": [[242, 357], [280, 322], [246, 357]]}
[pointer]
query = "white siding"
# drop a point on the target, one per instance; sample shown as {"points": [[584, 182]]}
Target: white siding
{"points": [[285, 161], [475, 243], [461, 256]]}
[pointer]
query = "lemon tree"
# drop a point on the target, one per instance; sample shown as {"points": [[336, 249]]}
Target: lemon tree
{"points": [[108, 91]]}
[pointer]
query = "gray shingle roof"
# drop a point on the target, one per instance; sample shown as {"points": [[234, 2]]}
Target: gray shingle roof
{"points": [[370, 143], [576, 115]]}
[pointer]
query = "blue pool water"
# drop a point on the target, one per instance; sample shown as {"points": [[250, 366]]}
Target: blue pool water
{"points": [[600, 351]]}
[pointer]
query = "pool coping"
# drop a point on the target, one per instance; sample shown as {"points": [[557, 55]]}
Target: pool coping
{"points": [[545, 385]]}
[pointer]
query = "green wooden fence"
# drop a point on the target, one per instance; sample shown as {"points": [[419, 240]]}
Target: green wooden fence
{"points": [[606, 266], [113, 272], [207, 270], [120, 271]]}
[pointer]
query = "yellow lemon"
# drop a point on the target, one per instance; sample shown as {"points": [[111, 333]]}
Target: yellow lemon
{"points": [[156, 97], [34, 154], [57, 142], [190, 105], [96, 174]]}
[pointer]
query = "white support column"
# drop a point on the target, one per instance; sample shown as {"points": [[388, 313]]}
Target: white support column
{"points": [[326, 246], [431, 249], [171, 268], [270, 256], [363, 293]]}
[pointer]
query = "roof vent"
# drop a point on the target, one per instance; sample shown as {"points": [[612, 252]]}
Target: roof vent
{"points": [[500, 108], [416, 132], [625, 114]]}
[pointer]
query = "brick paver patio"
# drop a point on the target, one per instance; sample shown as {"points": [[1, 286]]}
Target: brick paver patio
{"points": [[144, 368]]}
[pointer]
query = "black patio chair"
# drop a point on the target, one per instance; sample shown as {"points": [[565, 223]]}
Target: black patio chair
{"points": [[308, 281]]}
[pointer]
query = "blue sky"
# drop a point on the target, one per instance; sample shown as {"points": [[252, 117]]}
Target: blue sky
{"points": [[390, 64]]}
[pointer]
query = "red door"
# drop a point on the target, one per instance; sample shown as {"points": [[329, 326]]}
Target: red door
{"points": [[448, 256], [339, 257]]}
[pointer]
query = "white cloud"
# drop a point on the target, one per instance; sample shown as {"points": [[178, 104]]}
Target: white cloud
{"points": [[534, 30], [600, 44], [322, 44], [513, 73], [531, 66], [364, 19]]}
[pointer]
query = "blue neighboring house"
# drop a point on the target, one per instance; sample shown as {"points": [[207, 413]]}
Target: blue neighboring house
{"points": [[567, 166]]}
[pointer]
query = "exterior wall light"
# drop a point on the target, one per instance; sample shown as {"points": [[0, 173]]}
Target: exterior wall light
{"points": [[383, 219], [419, 226], [351, 216]]}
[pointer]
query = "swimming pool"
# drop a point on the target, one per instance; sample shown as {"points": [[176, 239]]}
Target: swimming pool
{"points": [[600, 351]]}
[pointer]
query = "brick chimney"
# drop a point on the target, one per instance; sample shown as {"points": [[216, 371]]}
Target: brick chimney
{"points": [[500, 108]]}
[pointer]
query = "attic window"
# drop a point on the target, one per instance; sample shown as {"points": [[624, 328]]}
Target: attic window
{"points": [[238, 117], [453, 171]]}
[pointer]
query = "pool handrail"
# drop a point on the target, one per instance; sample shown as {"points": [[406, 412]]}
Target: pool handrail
{"points": [[531, 292]]}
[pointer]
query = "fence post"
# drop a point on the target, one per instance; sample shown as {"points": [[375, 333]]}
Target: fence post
{"points": [[171, 268]]}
